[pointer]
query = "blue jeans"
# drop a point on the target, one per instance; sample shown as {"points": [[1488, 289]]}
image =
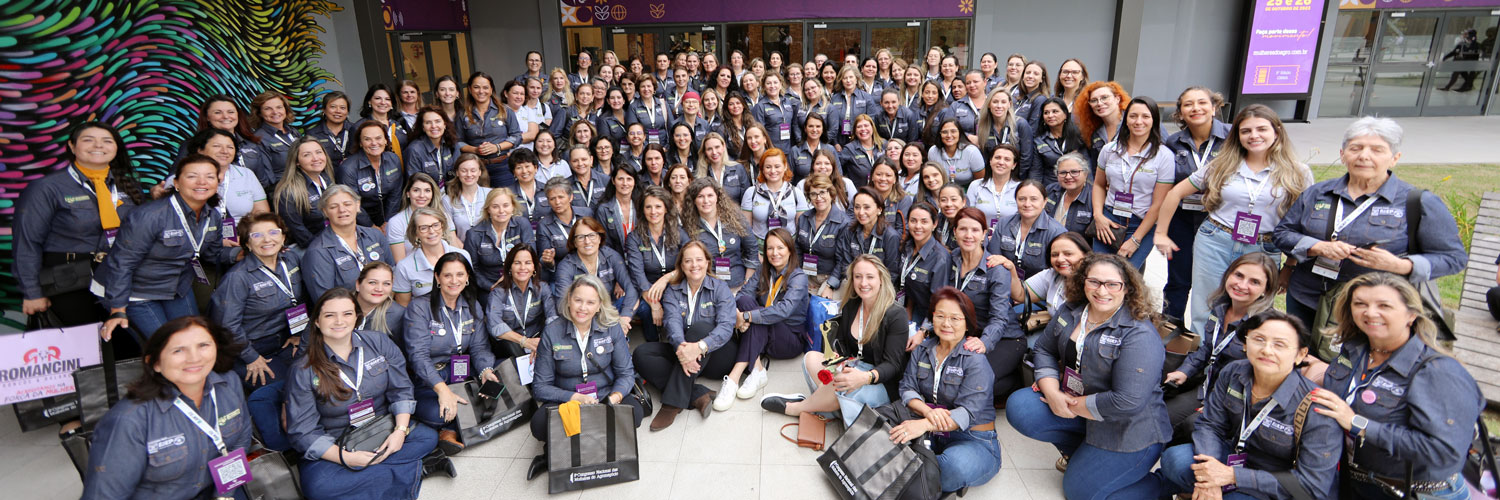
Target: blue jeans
{"points": [[649, 330], [277, 358], [1093, 473], [1137, 259], [398, 476], [148, 316], [1183, 231], [1213, 250], [967, 458], [428, 410], [264, 405], [851, 403]]}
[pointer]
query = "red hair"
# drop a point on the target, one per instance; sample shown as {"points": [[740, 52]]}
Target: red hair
{"points": [[786, 174], [1087, 121]]}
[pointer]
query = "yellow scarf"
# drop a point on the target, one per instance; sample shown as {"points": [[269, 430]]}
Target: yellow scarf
{"points": [[108, 218], [571, 419]]}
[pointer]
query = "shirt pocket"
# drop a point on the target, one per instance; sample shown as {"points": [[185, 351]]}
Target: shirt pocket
{"points": [[1109, 351], [168, 463], [170, 247]]}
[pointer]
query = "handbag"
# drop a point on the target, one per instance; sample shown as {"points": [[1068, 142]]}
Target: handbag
{"points": [[1033, 321], [70, 276], [603, 452], [1117, 233], [368, 437], [484, 418], [812, 430], [98, 388], [638, 391], [272, 478], [864, 464]]}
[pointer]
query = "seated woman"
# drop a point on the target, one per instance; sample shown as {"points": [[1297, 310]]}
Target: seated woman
{"points": [[1250, 417], [1098, 392], [699, 337], [382, 313], [520, 304], [987, 288], [1247, 289], [581, 356], [869, 346], [498, 232], [588, 255], [1403, 401], [156, 442], [260, 302], [949, 388], [447, 341], [374, 383], [1048, 290], [772, 309]]}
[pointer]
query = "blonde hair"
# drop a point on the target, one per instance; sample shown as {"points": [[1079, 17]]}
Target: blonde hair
{"points": [[377, 319], [490, 198], [1344, 330], [987, 120], [567, 91], [292, 187], [1288, 174], [607, 315], [884, 298]]}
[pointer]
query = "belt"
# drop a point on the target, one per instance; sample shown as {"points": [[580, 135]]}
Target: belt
{"points": [[498, 158], [54, 258], [982, 428], [1394, 487], [1263, 237]]}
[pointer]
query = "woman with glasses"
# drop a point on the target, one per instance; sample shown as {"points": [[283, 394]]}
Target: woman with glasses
{"points": [[260, 302], [1070, 201], [588, 255], [414, 272]]}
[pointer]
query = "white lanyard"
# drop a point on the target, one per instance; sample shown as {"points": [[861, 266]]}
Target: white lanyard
{"points": [[1354, 386], [1020, 243], [627, 215], [1083, 338], [718, 234], [692, 297], [470, 206], [338, 144], [661, 256], [1221, 343], [212, 432], [650, 113], [874, 238], [1200, 158], [937, 374], [458, 335], [528, 201], [1247, 429], [1339, 221], [114, 193], [500, 241], [588, 191], [195, 241], [359, 374], [907, 268], [285, 288], [319, 185], [777, 198], [564, 229], [818, 235], [521, 314], [859, 323], [358, 258], [968, 277], [1255, 189], [1005, 135]]}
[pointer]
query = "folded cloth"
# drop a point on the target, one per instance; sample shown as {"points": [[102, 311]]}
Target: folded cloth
{"points": [[570, 418]]}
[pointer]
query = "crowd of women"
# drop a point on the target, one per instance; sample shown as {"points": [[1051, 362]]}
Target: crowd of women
{"points": [[980, 231]]}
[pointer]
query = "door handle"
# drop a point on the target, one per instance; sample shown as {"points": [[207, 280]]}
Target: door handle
{"points": [[1431, 64]]}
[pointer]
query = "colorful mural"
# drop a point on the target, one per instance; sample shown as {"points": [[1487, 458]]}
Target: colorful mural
{"points": [[143, 66]]}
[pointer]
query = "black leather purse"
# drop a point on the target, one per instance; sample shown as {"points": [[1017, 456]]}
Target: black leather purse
{"points": [[67, 277], [368, 437]]}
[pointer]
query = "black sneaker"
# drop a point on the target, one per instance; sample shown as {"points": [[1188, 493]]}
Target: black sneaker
{"points": [[776, 403]]}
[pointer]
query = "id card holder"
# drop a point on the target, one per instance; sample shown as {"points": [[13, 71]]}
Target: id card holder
{"points": [[1246, 228], [1234, 460], [901, 298], [199, 274], [994, 222], [1123, 202], [534, 226], [1193, 202], [109, 236], [1072, 382], [653, 137], [228, 231], [296, 318], [773, 222], [721, 268], [786, 131], [229, 471], [361, 412], [810, 264], [458, 365], [1326, 267], [587, 388], [844, 129]]}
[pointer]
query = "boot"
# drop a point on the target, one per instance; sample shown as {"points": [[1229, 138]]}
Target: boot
{"points": [[538, 466], [436, 462], [449, 443]]}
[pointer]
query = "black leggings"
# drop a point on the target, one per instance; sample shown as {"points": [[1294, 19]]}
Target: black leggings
{"points": [[1005, 360], [539, 419], [657, 363]]}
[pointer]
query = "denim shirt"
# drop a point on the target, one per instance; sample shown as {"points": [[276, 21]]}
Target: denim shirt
{"points": [[742, 250], [252, 305], [524, 311], [641, 258], [474, 129], [313, 425], [856, 162], [1420, 417], [823, 110], [656, 121], [989, 289], [303, 227], [735, 179], [903, 126], [337, 146], [588, 194], [150, 450], [966, 112], [610, 270], [1121, 371], [489, 251], [852, 243], [1046, 150], [846, 107], [150, 259], [1203, 360], [965, 386], [275, 145], [929, 267], [776, 113], [826, 248], [1034, 256], [438, 162], [607, 125], [327, 264], [1078, 214], [1027, 166], [715, 306], [58, 213], [1269, 447], [552, 233], [560, 360], [790, 306], [1384, 223], [801, 155], [608, 212], [429, 338], [379, 193]]}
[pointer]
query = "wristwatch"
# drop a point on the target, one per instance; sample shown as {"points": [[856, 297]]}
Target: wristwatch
{"points": [[703, 346], [404, 430], [1357, 426]]}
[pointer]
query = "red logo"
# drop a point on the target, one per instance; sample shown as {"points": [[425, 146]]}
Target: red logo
{"points": [[37, 356]]}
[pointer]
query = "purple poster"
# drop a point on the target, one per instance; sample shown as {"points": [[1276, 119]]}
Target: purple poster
{"points": [[1283, 46], [425, 15], [619, 12], [1414, 4]]}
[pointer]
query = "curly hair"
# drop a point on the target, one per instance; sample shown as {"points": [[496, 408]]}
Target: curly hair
{"points": [[1087, 120], [728, 212], [1136, 302]]}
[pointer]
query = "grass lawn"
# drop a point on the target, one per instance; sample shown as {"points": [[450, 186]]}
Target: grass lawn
{"points": [[1460, 185]]}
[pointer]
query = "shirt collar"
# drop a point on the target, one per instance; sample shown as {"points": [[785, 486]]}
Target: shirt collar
{"points": [[1393, 190], [215, 380], [421, 260]]}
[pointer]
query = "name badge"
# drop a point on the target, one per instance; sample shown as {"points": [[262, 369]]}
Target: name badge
{"points": [[810, 264], [459, 365], [228, 229], [901, 298], [1072, 382], [721, 268], [1122, 204], [199, 274], [653, 137], [1234, 460], [361, 412], [773, 222], [786, 131], [109, 236], [1246, 228], [844, 129], [296, 318], [587, 388], [1327, 268], [229, 471]]}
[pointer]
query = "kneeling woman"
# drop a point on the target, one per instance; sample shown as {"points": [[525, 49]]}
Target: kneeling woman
{"points": [[447, 341], [582, 356], [346, 379], [1250, 417], [1098, 392], [698, 313], [950, 387], [157, 442]]}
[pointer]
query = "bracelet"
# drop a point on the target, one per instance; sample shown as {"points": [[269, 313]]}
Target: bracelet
{"points": [[872, 377], [118, 315]]}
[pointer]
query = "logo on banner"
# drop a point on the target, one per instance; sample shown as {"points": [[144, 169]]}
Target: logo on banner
{"points": [[658, 10], [42, 362]]}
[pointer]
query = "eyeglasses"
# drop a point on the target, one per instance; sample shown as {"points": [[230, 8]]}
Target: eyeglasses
{"points": [[1071, 72], [1101, 100], [1113, 286], [273, 232], [818, 194], [587, 237], [940, 318], [1262, 341], [433, 227], [1069, 173]]}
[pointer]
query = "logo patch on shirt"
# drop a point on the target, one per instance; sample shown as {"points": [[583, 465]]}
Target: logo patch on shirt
{"points": [[1108, 340], [1278, 425], [228, 416], [172, 233], [374, 362], [75, 199], [156, 445], [1385, 384], [256, 287], [1391, 211], [957, 371], [341, 260]]}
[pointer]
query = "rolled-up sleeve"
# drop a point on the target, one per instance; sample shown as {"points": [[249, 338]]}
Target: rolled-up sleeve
{"points": [[398, 389], [1134, 376], [1290, 235], [1444, 404]]}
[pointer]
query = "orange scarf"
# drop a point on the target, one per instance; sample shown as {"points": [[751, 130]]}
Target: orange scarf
{"points": [[108, 217]]}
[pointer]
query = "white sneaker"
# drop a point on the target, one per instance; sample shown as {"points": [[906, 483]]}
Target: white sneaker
{"points": [[753, 384], [725, 399]]}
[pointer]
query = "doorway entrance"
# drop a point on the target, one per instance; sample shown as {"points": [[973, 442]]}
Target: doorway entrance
{"points": [[837, 40], [426, 57], [1429, 63], [646, 42]]}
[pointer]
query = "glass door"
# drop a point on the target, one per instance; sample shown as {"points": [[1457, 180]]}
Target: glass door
{"points": [[636, 42], [1465, 64], [701, 39], [904, 39], [836, 40], [1404, 60], [426, 57]]}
